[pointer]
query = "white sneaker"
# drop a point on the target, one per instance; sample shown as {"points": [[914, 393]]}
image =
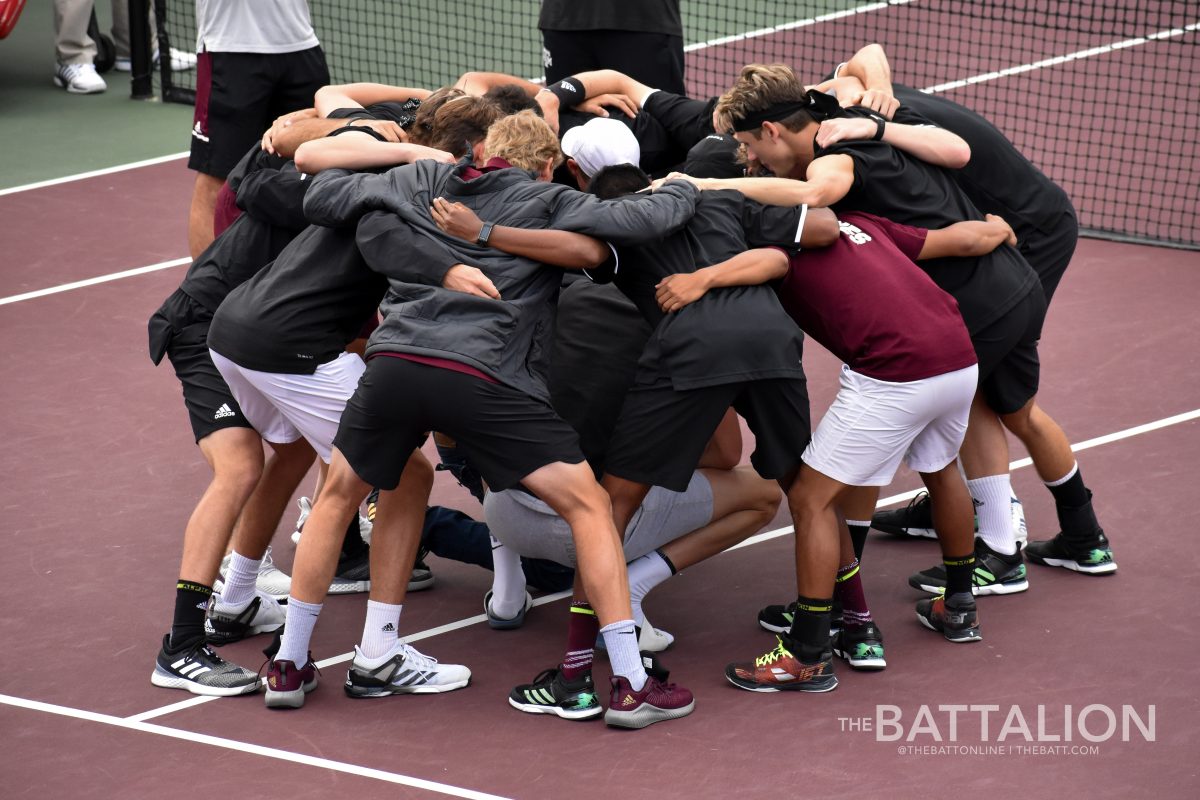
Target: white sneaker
{"points": [[225, 624], [1020, 531], [79, 79], [271, 581], [652, 639], [181, 61], [402, 670], [364, 525]]}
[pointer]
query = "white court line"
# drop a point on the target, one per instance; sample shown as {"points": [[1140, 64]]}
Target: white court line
{"points": [[799, 23], [192, 702], [1076, 56], [247, 747], [1187, 416], [96, 173], [66, 287]]}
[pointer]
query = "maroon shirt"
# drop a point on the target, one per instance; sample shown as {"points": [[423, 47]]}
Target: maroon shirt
{"points": [[867, 302]]}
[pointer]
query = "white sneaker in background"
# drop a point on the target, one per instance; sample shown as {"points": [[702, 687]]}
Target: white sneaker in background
{"points": [[79, 79]]}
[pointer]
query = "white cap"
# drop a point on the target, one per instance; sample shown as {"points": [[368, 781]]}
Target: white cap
{"points": [[599, 143]]}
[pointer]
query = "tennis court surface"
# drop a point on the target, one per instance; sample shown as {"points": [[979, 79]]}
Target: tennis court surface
{"points": [[1086, 685]]}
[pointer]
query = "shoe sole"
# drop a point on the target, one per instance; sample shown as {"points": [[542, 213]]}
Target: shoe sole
{"points": [[645, 716], [166, 680], [360, 693], [421, 584], [564, 713], [766, 626], [292, 699], [959, 637], [1075, 566], [64, 85], [810, 687], [978, 591], [907, 533], [865, 664]]}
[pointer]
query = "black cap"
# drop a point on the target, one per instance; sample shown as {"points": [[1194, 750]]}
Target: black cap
{"points": [[714, 156]]}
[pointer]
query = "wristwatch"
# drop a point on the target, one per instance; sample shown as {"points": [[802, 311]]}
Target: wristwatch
{"points": [[484, 233]]}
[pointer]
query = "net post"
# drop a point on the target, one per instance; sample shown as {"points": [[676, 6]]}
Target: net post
{"points": [[141, 86]]}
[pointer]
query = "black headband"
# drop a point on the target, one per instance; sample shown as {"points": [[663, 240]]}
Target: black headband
{"points": [[820, 106]]}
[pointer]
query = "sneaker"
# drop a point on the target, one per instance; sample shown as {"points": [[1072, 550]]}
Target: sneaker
{"points": [[779, 670], [1017, 511], [199, 670], [551, 693], [915, 519], [778, 619], [287, 684], [365, 523], [79, 79], [271, 581], [226, 624], [956, 624], [1093, 558], [656, 702], [994, 573], [652, 639], [353, 574], [402, 670], [861, 646], [501, 623], [181, 61], [422, 576]]}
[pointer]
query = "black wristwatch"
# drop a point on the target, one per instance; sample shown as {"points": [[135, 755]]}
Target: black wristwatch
{"points": [[879, 123], [485, 233]]}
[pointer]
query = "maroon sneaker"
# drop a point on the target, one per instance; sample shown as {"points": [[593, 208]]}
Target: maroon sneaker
{"points": [[287, 684], [656, 702]]}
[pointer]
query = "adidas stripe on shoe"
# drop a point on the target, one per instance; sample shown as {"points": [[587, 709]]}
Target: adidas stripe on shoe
{"points": [[402, 670], [199, 670], [551, 693]]}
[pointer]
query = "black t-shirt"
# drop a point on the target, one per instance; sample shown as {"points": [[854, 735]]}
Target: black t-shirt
{"points": [[890, 183], [731, 334], [649, 16], [997, 179]]}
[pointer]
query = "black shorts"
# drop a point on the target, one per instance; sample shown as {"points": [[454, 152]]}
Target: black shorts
{"points": [[687, 121], [1009, 369], [655, 59], [239, 95], [504, 433], [179, 330], [1049, 252], [662, 432]]}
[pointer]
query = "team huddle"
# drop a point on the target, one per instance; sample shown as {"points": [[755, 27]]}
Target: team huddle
{"points": [[578, 290]]}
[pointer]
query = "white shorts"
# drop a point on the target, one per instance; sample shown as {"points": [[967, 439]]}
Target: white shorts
{"points": [[530, 527], [284, 407], [872, 425]]}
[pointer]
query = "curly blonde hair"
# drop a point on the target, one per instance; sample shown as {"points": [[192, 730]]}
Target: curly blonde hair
{"points": [[523, 140], [760, 86]]}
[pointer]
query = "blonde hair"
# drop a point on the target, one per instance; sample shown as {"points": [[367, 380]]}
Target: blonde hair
{"points": [[760, 86], [523, 140]]}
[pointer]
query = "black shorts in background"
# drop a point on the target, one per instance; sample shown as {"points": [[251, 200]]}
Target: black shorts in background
{"points": [[239, 95], [1009, 368], [179, 330], [504, 433], [686, 120], [662, 432]]}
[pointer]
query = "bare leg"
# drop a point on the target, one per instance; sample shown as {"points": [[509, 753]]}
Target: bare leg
{"points": [[626, 497], [317, 553], [285, 468], [811, 499], [1047, 444], [953, 511], [985, 448], [397, 532], [200, 216], [742, 504]]}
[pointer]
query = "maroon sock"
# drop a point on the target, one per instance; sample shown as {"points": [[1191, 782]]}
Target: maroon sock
{"points": [[582, 629], [849, 590]]}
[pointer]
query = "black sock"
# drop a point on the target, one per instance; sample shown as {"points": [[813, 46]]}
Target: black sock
{"points": [[191, 601], [353, 544], [958, 573], [858, 536], [1073, 503], [810, 628], [1071, 493]]}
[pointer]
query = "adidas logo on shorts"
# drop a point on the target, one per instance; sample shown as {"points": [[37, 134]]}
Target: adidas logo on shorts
{"points": [[224, 411]]}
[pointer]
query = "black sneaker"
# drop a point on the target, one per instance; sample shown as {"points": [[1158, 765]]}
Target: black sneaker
{"points": [[551, 693], [198, 669], [915, 519], [422, 575], [1094, 557], [994, 573], [959, 623], [861, 646], [778, 619]]}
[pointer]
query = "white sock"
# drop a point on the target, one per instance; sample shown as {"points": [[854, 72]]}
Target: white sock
{"points": [[297, 631], [993, 498], [508, 581], [644, 574], [621, 640], [239, 581], [380, 631]]}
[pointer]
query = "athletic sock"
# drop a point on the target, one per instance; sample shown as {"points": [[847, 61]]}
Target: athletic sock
{"points": [[993, 508], [1069, 490], [380, 628], [644, 574], [297, 631], [621, 640], [191, 602], [239, 581], [582, 628], [849, 590], [1073, 502], [858, 535], [958, 573], [508, 581], [810, 628]]}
